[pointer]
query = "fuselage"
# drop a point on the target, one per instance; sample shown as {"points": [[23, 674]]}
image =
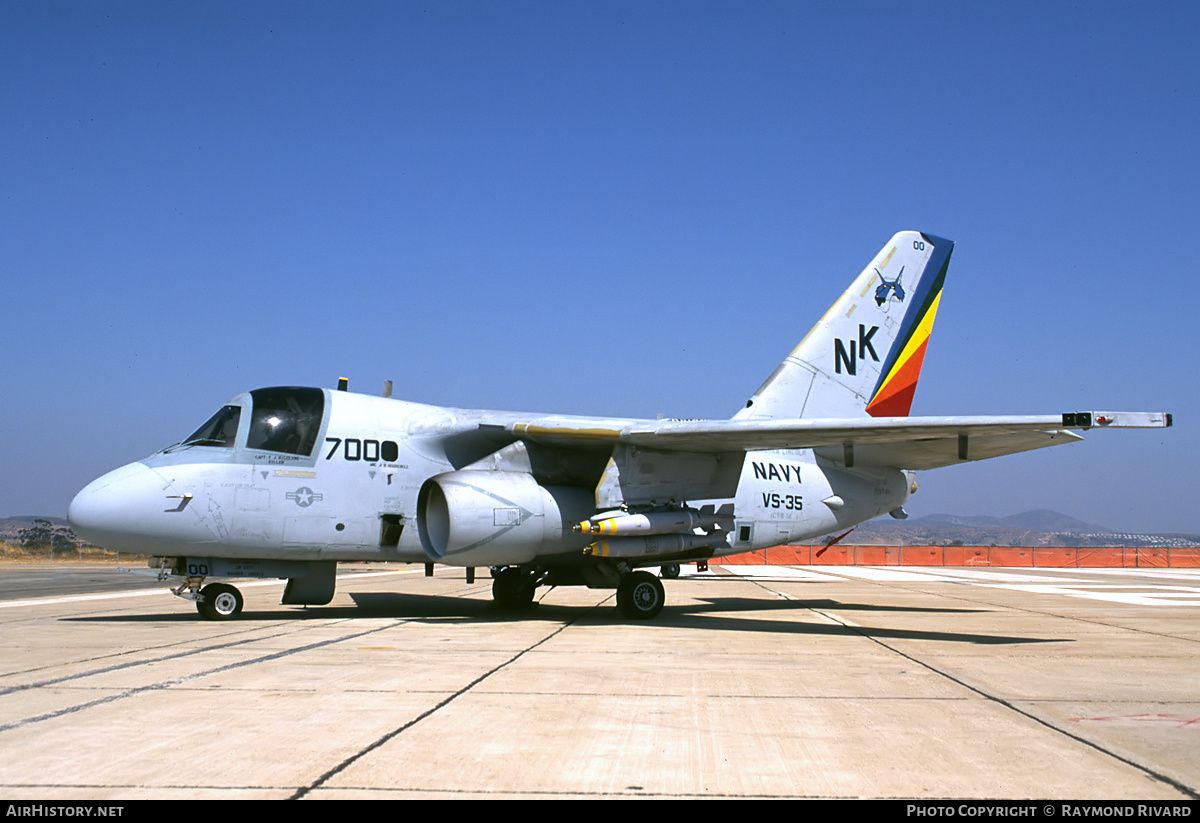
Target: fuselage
{"points": [[312, 474]]}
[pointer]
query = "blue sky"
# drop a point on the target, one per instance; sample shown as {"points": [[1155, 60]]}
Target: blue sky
{"points": [[598, 208]]}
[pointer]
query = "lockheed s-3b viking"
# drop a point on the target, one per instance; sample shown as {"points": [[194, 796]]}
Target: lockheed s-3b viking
{"points": [[286, 482]]}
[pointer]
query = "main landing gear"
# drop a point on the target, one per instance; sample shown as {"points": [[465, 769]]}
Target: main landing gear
{"points": [[513, 587], [640, 595]]}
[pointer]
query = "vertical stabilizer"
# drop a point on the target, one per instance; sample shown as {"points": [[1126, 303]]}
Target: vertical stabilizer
{"points": [[864, 356]]}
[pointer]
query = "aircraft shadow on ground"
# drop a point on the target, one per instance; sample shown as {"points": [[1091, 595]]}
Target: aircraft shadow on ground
{"points": [[708, 614]]}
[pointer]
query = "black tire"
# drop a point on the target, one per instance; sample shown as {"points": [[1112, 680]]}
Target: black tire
{"points": [[219, 601], [640, 596], [670, 571], [513, 589]]}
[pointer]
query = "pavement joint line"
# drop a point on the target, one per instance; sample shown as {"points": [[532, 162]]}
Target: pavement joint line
{"points": [[1043, 721], [352, 759], [54, 681], [1011, 706], [166, 684]]}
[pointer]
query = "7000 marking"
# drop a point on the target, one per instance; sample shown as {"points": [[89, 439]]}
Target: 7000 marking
{"points": [[370, 450]]}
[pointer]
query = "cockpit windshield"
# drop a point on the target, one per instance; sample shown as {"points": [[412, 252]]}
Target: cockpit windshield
{"points": [[286, 420], [220, 430]]}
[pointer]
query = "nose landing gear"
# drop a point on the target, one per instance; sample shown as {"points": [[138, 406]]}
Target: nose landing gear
{"points": [[219, 601], [216, 601]]}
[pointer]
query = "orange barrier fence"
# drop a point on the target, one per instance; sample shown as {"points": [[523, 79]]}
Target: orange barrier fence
{"points": [[1041, 556]]}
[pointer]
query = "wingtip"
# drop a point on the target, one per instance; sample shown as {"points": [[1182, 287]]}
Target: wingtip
{"points": [[1117, 420]]}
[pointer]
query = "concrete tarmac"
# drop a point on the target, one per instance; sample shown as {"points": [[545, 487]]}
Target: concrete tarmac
{"points": [[754, 682]]}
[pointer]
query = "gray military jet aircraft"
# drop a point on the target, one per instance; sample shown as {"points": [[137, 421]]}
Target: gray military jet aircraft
{"points": [[286, 482]]}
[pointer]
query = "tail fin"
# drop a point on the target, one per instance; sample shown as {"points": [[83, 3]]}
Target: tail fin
{"points": [[865, 355]]}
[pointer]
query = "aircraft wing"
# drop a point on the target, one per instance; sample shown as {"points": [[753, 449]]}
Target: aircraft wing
{"points": [[901, 442]]}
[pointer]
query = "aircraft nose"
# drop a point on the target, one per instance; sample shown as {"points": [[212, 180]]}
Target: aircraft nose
{"points": [[112, 511]]}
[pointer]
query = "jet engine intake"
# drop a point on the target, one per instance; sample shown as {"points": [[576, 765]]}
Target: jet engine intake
{"points": [[498, 518]]}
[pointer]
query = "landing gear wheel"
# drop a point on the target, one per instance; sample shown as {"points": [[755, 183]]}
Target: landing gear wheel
{"points": [[219, 601], [669, 571], [513, 589], [640, 596]]}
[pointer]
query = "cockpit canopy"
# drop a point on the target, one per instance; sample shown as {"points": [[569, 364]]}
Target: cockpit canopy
{"points": [[219, 430], [285, 420]]}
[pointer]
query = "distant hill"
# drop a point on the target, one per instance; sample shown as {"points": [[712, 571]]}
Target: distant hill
{"points": [[1040, 520], [1040, 527], [1050, 521]]}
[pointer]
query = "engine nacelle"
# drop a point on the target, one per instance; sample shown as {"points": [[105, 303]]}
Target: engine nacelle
{"points": [[498, 518]]}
